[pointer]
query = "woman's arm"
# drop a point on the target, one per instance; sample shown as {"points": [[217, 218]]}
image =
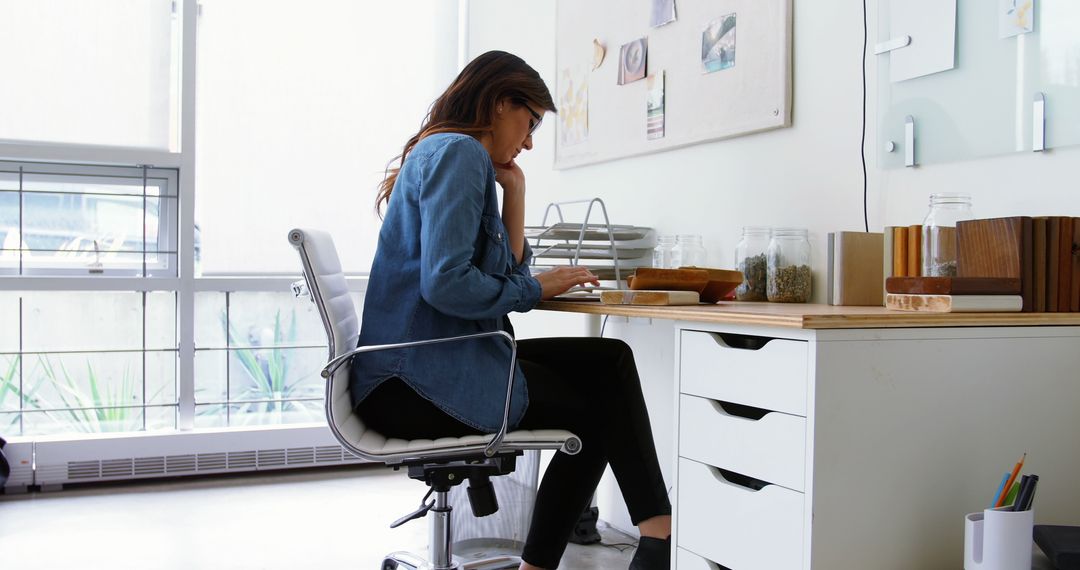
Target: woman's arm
{"points": [[512, 180], [451, 203], [555, 281]]}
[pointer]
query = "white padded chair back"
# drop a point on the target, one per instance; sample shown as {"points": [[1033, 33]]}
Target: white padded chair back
{"points": [[330, 292]]}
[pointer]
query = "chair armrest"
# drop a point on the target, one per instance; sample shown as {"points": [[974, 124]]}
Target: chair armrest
{"points": [[493, 445]]}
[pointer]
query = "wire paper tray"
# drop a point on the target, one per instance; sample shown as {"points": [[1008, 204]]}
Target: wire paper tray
{"points": [[611, 251]]}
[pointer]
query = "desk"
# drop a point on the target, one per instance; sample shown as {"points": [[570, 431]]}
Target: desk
{"points": [[828, 438]]}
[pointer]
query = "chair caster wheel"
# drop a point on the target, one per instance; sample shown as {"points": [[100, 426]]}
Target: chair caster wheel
{"points": [[401, 561]]}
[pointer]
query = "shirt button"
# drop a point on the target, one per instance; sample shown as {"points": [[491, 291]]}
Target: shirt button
{"points": [[498, 236]]}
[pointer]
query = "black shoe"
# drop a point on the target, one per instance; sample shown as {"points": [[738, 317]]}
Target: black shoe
{"points": [[652, 554]]}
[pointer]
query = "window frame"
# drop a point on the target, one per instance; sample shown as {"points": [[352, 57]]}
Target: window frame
{"points": [[165, 240]]}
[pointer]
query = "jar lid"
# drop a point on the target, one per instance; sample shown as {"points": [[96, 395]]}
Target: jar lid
{"points": [[755, 230], [950, 198], [790, 232]]}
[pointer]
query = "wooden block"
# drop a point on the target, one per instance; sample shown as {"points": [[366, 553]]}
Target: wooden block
{"points": [[914, 251], [649, 297], [1053, 236], [886, 258], [1074, 304], [1038, 263], [993, 248], [1027, 282], [953, 285], [954, 303], [990, 248], [857, 269], [899, 251], [1064, 263]]}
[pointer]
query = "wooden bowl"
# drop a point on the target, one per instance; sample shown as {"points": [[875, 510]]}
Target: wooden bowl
{"points": [[720, 284]]}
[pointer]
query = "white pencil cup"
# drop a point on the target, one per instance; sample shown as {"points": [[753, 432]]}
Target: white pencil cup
{"points": [[998, 539]]}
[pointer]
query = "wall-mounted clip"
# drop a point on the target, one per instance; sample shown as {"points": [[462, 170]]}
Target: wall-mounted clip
{"points": [[1038, 123], [895, 43], [909, 141]]}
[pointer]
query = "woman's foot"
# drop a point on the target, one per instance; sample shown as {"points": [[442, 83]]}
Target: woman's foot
{"points": [[652, 554]]}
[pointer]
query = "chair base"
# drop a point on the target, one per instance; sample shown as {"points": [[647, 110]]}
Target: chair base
{"points": [[409, 561]]}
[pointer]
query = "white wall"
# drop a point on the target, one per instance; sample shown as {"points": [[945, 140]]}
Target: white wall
{"points": [[807, 175]]}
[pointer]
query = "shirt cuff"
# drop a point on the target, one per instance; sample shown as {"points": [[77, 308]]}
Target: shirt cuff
{"points": [[530, 293]]}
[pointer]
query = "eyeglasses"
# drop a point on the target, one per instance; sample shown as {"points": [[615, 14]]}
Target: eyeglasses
{"points": [[534, 123]]}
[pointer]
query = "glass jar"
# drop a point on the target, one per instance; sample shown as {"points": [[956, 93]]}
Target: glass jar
{"points": [[688, 251], [788, 266], [750, 260], [662, 253], [939, 232]]}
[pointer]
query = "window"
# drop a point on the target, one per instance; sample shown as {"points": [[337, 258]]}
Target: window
{"points": [[87, 220], [299, 115], [87, 362], [95, 73], [125, 303], [257, 359]]}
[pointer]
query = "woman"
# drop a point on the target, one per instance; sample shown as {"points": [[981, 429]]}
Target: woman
{"points": [[450, 263]]}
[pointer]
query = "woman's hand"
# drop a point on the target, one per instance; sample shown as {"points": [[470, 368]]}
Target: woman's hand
{"points": [[560, 279], [510, 177]]}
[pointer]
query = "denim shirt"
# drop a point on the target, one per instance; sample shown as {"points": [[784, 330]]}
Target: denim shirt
{"points": [[444, 268]]}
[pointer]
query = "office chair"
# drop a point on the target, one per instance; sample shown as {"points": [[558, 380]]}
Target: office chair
{"points": [[441, 463]]}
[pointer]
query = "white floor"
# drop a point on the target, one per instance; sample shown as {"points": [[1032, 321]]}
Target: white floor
{"points": [[337, 518]]}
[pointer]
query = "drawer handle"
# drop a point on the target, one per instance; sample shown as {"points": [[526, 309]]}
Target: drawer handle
{"points": [[740, 410], [713, 565], [744, 481], [740, 341]]}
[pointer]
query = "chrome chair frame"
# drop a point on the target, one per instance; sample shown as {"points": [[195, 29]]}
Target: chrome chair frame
{"points": [[441, 463]]}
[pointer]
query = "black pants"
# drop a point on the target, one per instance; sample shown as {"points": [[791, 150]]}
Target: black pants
{"points": [[589, 386]]}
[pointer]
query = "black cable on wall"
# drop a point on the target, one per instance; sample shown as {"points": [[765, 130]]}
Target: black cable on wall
{"points": [[862, 142]]}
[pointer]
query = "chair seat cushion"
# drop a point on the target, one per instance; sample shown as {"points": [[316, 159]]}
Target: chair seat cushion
{"points": [[353, 433]]}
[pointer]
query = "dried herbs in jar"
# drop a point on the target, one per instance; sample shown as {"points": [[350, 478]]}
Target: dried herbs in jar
{"points": [[788, 274]]}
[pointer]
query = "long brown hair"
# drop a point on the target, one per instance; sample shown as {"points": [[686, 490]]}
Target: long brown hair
{"points": [[468, 104]]}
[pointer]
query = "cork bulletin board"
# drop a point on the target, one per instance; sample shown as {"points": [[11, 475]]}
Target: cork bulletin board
{"points": [[720, 69]]}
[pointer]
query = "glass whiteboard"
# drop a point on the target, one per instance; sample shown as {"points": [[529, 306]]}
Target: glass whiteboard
{"points": [[985, 106]]}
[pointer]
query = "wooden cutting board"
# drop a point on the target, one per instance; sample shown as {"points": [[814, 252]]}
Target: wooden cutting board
{"points": [[649, 297], [953, 285], [656, 279]]}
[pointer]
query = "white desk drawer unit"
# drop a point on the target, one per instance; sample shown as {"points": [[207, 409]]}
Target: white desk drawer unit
{"points": [[738, 526], [772, 448], [742, 451], [767, 373], [871, 393]]}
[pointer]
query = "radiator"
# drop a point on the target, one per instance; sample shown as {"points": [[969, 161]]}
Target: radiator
{"points": [[51, 462]]}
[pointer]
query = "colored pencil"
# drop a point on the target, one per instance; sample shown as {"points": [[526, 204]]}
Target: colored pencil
{"points": [[1016, 471], [1001, 485]]}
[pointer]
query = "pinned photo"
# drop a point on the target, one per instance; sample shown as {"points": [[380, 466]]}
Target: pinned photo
{"points": [[573, 105], [663, 12], [654, 106], [718, 44], [632, 61], [1015, 17]]}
